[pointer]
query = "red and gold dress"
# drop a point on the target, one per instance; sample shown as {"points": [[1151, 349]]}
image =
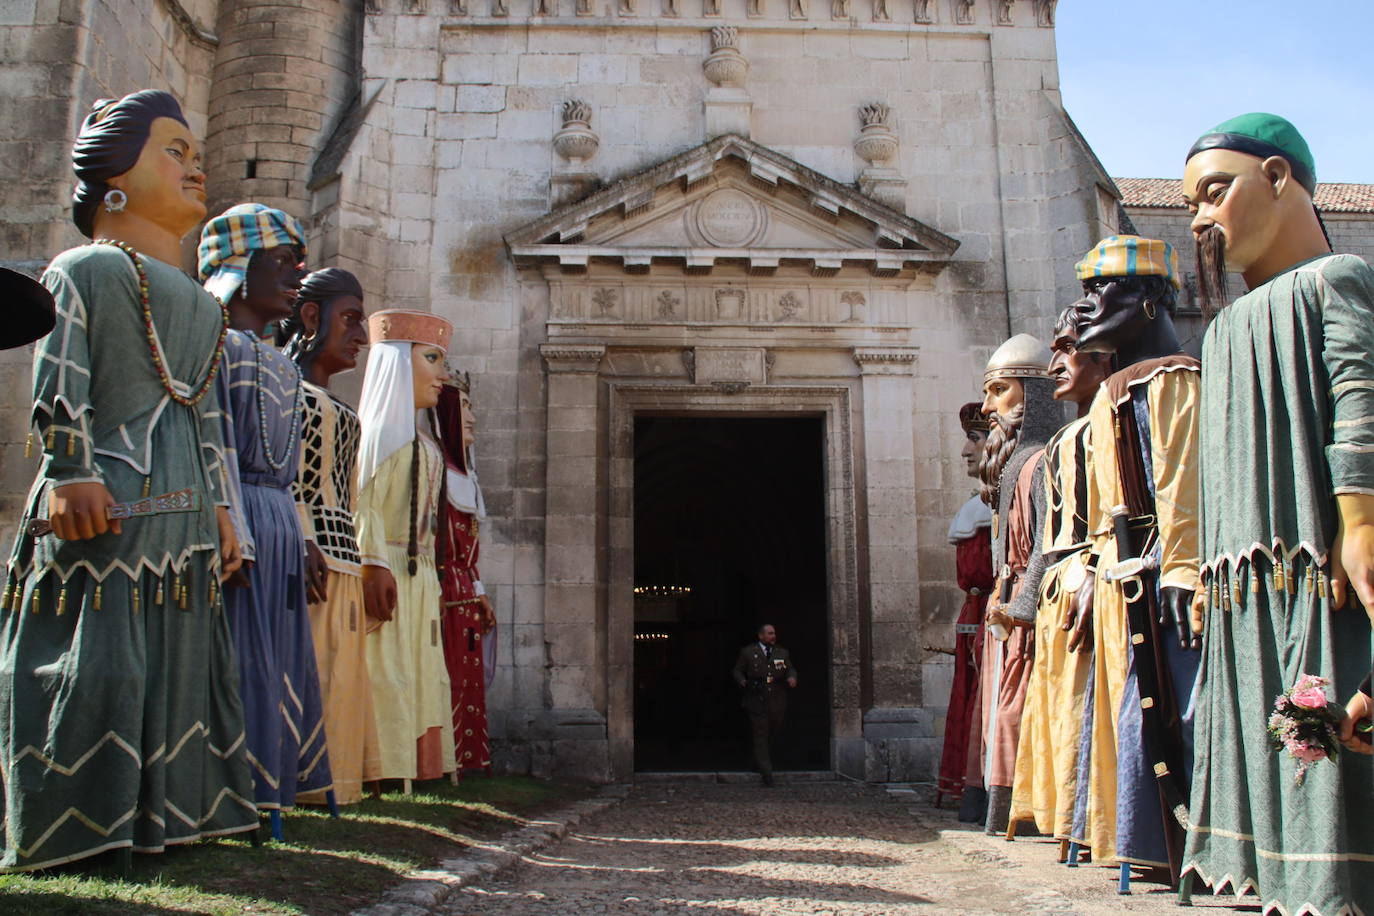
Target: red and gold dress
{"points": [[973, 563], [463, 624]]}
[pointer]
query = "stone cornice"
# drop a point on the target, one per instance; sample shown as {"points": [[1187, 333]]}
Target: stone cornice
{"points": [[953, 16], [579, 358], [886, 360]]}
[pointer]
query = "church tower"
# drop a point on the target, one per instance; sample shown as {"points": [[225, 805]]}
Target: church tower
{"points": [[283, 74]]}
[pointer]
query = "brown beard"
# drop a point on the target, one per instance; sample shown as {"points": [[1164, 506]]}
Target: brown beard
{"points": [[1211, 272], [1001, 442]]}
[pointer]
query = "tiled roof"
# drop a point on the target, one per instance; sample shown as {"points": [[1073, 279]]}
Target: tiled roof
{"points": [[1332, 197]]}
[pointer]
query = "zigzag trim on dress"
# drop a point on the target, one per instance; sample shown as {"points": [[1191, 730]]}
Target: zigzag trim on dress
{"points": [[1248, 886], [177, 563], [1276, 553]]}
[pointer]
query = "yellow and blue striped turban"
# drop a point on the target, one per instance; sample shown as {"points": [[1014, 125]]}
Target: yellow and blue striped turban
{"points": [[1129, 256], [228, 240]]}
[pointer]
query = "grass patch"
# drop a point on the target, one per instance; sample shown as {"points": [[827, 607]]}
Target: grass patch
{"points": [[325, 866]]}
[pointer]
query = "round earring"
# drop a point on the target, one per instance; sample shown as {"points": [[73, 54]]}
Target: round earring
{"points": [[1150, 309], [243, 289], [115, 200]]}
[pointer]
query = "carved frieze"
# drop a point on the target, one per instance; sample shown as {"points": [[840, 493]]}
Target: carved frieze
{"points": [[730, 303], [963, 12], [764, 302], [925, 11], [857, 304]]}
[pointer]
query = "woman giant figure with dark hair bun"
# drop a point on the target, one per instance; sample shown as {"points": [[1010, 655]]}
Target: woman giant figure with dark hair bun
{"points": [[120, 721], [323, 336]]}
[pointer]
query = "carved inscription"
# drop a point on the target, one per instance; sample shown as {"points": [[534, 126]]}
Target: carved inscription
{"points": [[730, 365], [729, 219]]}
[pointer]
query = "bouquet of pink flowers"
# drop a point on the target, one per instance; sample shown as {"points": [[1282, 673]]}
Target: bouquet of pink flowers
{"points": [[1304, 723]]}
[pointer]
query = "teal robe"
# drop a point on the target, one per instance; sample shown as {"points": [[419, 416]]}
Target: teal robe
{"points": [[120, 721], [1287, 424]]}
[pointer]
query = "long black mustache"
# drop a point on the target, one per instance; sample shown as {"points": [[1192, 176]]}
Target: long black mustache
{"points": [[1211, 272], [997, 449]]}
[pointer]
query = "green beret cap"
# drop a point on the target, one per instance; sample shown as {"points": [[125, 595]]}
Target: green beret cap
{"points": [[1263, 135]]}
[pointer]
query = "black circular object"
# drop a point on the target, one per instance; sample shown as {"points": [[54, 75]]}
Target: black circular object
{"points": [[27, 311]]}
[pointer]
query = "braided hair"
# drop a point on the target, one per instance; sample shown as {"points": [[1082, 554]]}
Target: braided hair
{"points": [[413, 544], [441, 538]]}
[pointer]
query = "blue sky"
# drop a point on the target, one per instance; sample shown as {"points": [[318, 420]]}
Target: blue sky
{"points": [[1143, 80]]}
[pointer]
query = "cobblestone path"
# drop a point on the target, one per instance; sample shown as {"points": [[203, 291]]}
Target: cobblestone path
{"points": [[818, 848]]}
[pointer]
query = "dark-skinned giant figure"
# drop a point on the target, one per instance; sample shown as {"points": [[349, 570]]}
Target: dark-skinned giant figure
{"points": [[1142, 495], [323, 336]]}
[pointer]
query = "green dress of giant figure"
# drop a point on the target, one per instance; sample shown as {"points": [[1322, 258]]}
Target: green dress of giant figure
{"points": [[120, 721], [1287, 433]]}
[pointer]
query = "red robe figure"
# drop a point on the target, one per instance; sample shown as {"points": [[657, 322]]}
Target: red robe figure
{"points": [[468, 619], [970, 535]]}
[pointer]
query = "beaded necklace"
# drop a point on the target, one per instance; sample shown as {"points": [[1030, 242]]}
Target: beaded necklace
{"points": [[154, 349], [263, 438]]}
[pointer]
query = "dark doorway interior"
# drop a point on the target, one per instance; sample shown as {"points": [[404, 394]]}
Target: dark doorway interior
{"points": [[734, 510]]}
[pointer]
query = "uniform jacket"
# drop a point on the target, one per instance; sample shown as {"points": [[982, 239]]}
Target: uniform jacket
{"points": [[763, 676]]}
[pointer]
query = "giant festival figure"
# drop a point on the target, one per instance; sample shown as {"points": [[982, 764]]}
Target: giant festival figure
{"points": [[1051, 724], [114, 651], [1287, 407], [1019, 402], [323, 337], [249, 259], [970, 533], [468, 616], [1142, 515], [401, 495]]}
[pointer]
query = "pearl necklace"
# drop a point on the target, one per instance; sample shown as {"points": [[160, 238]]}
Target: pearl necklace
{"points": [[263, 438], [154, 349]]}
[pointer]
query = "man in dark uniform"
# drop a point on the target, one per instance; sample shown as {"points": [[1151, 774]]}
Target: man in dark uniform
{"points": [[760, 670]]}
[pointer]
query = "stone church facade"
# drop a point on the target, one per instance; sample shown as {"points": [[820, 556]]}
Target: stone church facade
{"points": [[627, 208]]}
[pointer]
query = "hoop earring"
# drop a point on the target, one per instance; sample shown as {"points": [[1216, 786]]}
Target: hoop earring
{"points": [[115, 200], [1150, 309]]}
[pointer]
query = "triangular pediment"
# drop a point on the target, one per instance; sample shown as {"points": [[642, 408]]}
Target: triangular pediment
{"points": [[734, 201]]}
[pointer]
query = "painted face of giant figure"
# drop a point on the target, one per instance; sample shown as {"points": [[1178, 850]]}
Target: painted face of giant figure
{"points": [[1115, 310], [1077, 374], [1249, 184], [975, 429], [428, 374]]}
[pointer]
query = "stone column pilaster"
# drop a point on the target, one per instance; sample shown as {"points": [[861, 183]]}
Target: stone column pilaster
{"points": [[574, 633], [897, 731]]}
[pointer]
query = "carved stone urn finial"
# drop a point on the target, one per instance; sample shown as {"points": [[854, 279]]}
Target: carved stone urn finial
{"points": [[725, 65], [876, 143], [576, 142]]}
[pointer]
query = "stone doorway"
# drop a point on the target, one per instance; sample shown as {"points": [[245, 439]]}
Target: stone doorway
{"points": [[729, 531]]}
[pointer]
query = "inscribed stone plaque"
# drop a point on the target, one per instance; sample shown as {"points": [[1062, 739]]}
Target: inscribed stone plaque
{"points": [[730, 364], [730, 219]]}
